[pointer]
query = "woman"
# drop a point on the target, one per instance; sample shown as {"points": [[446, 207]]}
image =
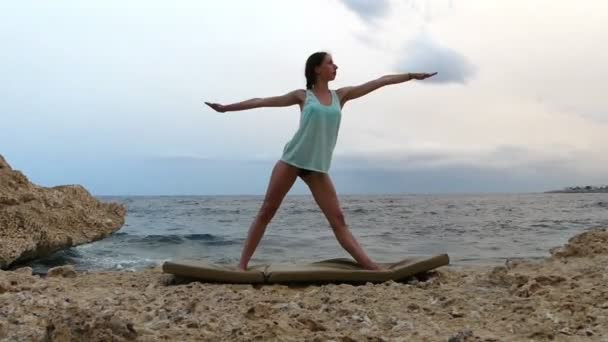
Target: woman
{"points": [[308, 154]]}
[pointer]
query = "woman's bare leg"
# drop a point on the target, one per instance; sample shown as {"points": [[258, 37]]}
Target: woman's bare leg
{"points": [[324, 193], [281, 180]]}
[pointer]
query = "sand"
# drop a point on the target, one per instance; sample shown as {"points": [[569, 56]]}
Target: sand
{"points": [[561, 298]]}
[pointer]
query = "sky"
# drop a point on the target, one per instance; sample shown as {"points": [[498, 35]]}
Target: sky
{"points": [[109, 94]]}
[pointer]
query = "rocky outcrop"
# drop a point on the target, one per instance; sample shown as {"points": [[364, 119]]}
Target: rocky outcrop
{"points": [[36, 221], [587, 244]]}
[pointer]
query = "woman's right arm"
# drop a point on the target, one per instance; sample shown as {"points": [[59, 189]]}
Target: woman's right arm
{"points": [[289, 99]]}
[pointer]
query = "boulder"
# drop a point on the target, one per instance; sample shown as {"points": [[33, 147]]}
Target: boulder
{"points": [[36, 221]]}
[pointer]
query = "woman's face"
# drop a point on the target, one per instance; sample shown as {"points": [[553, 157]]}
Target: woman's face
{"points": [[327, 70]]}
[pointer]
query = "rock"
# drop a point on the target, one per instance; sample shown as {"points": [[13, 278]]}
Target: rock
{"points": [[461, 336], [456, 314], [36, 221], [587, 244], [5, 286], [528, 289], [66, 271], [549, 280], [312, 324], [3, 329], [82, 324], [25, 270]]}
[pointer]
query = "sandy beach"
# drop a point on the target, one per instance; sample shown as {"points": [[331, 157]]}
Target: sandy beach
{"points": [[562, 298]]}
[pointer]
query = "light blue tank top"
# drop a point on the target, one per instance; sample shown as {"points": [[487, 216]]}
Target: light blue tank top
{"points": [[312, 145]]}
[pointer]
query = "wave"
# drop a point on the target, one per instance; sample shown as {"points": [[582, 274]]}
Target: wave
{"points": [[176, 239]]}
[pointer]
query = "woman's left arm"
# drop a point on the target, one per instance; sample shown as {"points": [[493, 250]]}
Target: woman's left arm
{"points": [[350, 93]]}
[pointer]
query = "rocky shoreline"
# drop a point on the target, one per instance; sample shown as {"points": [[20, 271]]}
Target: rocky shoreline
{"points": [[562, 298]]}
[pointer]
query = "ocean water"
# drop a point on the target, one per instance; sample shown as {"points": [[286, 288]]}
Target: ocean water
{"points": [[472, 229]]}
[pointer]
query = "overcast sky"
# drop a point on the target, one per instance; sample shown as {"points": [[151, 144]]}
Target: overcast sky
{"points": [[109, 94]]}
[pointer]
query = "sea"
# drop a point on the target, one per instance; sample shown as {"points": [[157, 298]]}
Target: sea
{"points": [[473, 229]]}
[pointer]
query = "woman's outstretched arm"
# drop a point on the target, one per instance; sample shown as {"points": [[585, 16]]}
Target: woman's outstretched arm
{"points": [[289, 99], [351, 93]]}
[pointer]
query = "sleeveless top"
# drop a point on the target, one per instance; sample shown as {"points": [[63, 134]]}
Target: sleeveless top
{"points": [[312, 145]]}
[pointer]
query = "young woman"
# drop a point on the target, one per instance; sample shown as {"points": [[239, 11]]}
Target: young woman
{"points": [[308, 154]]}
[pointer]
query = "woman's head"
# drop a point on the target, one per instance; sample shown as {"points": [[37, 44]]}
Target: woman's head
{"points": [[319, 67]]}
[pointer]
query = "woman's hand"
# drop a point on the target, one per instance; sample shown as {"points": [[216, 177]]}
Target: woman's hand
{"points": [[422, 76], [216, 107]]}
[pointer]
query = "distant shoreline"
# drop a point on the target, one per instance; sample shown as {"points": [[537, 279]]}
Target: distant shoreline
{"points": [[581, 189]]}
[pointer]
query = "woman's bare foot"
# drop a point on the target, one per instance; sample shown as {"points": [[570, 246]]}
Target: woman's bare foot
{"points": [[241, 267]]}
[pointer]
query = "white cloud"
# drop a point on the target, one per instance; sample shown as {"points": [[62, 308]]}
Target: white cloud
{"points": [[423, 54], [368, 10]]}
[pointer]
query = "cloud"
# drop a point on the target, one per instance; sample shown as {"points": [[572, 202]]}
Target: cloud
{"points": [[504, 157], [423, 54], [452, 179], [582, 107], [429, 10], [502, 169], [368, 10], [424, 10], [600, 116]]}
